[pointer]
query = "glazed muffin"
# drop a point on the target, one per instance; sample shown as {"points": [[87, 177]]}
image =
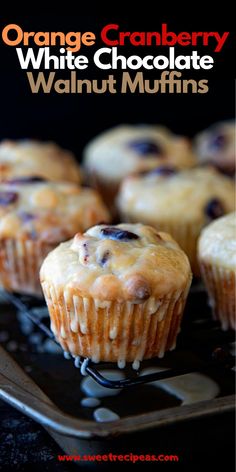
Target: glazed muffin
{"points": [[216, 146], [34, 217], [116, 293], [128, 149], [217, 258], [180, 203], [38, 159]]}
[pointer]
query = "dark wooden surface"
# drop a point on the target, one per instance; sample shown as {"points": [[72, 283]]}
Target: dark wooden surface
{"points": [[208, 442]]}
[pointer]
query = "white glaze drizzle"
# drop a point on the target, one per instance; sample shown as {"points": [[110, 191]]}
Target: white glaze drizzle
{"points": [[113, 332], [103, 415], [93, 389], [84, 367], [136, 365], [153, 370], [77, 362], [121, 363], [63, 333], [66, 355], [189, 388], [90, 402]]}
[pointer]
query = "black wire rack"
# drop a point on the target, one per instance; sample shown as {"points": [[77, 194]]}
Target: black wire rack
{"points": [[26, 306]]}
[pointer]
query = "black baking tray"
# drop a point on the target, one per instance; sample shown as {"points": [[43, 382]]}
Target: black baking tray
{"points": [[202, 347]]}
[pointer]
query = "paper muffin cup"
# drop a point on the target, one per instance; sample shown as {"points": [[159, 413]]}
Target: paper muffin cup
{"points": [[114, 331], [185, 234], [221, 287], [20, 261]]}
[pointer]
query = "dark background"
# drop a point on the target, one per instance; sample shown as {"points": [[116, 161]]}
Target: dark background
{"points": [[72, 119]]}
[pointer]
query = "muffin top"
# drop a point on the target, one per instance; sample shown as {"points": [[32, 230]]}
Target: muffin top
{"points": [[217, 242], [118, 263], [49, 211], [129, 149], [35, 158], [216, 145], [196, 195]]}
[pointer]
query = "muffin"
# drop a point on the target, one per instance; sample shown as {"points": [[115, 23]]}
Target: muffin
{"points": [[116, 293], [128, 149], [180, 203], [217, 258], [216, 146], [38, 159], [34, 217]]}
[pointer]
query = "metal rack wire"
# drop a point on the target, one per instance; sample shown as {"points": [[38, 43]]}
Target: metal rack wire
{"points": [[219, 356]]}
